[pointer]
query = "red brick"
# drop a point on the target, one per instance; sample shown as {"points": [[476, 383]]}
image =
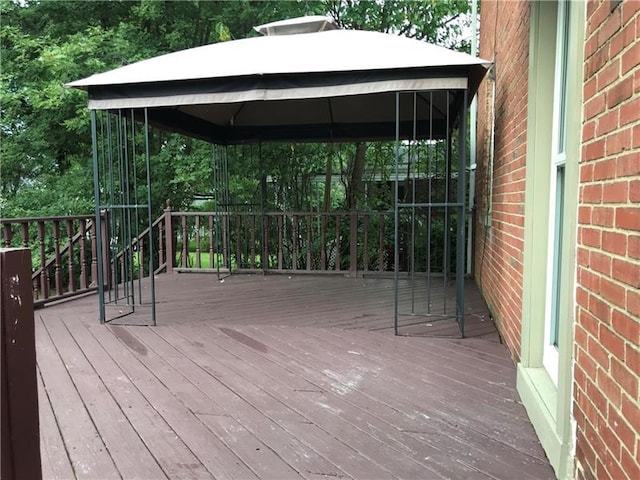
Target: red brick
{"points": [[595, 63], [630, 464], [611, 342], [622, 39], [625, 378], [630, 58], [619, 92], [593, 150], [586, 363], [603, 216], [599, 309], [590, 236], [633, 303], [628, 165], [582, 297], [634, 191], [635, 143], [600, 11], [590, 88], [632, 358], [588, 131], [588, 279], [625, 326], [627, 272], [607, 122], [595, 394], [598, 353], [617, 192], [622, 429], [629, 10], [612, 466], [605, 169], [584, 215], [610, 439], [610, 27], [630, 111], [628, 218], [610, 389], [591, 193], [614, 242], [595, 106], [633, 246], [613, 292], [619, 141]]}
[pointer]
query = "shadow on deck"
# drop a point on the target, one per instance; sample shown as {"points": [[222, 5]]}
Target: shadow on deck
{"points": [[278, 377]]}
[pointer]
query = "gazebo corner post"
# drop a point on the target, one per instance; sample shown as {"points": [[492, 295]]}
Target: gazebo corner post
{"points": [[168, 237], [461, 190], [149, 215], [396, 215], [99, 219]]}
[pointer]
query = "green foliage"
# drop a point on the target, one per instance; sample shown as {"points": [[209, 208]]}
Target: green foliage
{"points": [[45, 149]]}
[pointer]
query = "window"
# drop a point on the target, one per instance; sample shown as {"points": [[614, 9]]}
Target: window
{"points": [[558, 158]]}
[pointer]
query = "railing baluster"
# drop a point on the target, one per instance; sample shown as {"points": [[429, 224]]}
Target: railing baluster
{"points": [[197, 228], [185, 241], [225, 238], [265, 245], [353, 243], [365, 253], [161, 257], [8, 234], [308, 217], [294, 234], [72, 278], [280, 247], [168, 237], [323, 241], [337, 256], [252, 245], [141, 258], [25, 234], [211, 241], [44, 272], [381, 243], [239, 238], [83, 254], [94, 254], [56, 246]]}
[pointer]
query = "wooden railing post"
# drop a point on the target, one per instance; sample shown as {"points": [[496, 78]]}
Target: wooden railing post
{"points": [[168, 237], [353, 243], [20, 425]]}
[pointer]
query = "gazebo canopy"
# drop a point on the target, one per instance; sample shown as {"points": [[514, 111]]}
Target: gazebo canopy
{"points": [[330, 85]]}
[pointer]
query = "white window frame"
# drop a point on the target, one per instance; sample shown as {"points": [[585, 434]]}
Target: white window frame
{"points": [[554, 288]]}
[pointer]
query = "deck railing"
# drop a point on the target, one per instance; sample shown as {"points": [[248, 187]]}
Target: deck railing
{"points": [[298, 242], [65, 254]]}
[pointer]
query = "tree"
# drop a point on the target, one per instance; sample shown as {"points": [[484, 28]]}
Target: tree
{"points": [[46, 146]]}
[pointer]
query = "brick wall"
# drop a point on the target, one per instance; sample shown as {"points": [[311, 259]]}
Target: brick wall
{"points": [[608, 277], [499, 248]]}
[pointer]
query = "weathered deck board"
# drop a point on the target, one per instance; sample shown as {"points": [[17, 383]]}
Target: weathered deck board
{"points": [[84, 443], [278, 377], [176, 460]]}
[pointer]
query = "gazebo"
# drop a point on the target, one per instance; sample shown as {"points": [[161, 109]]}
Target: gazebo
{"points": [[303, 80]]}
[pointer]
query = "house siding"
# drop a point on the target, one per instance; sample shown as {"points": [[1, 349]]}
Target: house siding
{"points": [[607, 293], [607, 330]]}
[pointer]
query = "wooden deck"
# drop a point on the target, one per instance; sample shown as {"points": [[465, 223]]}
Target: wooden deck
{"points": [[278, 377]]}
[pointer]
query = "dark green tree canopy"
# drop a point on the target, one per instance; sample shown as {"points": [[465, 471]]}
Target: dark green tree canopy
{"points": [[45, 146]]}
